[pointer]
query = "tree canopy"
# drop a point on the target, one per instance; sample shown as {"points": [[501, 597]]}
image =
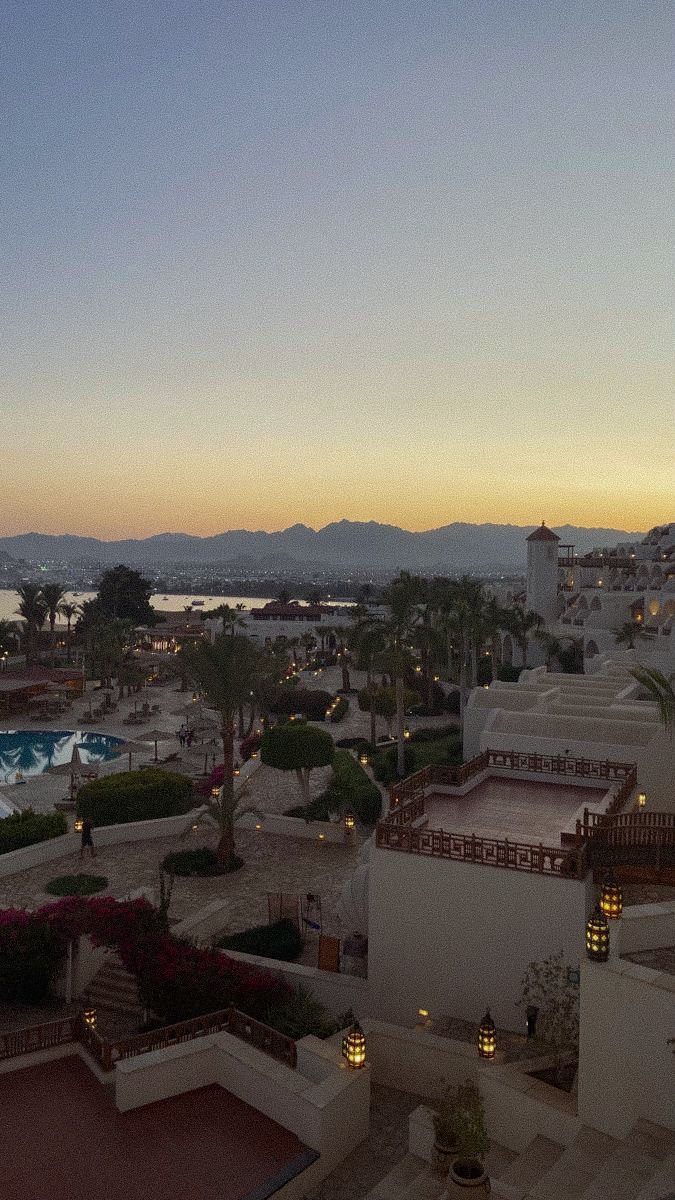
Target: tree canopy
{"points": [[123, 594]]}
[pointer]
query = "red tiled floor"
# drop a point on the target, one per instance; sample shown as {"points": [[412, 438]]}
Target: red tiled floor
{"points": [[63, 1139], [517, 809]]}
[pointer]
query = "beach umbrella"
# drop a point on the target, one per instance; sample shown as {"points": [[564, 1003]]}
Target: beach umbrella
{"points": [[157, 735], [131, 748], [75, 771]]}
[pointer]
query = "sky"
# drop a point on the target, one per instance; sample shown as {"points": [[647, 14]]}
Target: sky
{"points": [[268, 261]]}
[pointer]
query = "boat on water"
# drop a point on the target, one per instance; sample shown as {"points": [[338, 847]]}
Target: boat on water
{"points": [[197, 603]]}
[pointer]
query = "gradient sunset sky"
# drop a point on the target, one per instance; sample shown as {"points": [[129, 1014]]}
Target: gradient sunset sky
{"points": [[268, 261]]}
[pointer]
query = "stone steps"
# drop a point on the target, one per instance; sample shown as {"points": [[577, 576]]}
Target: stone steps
{"points": [[529, 1167], [113, 989]]}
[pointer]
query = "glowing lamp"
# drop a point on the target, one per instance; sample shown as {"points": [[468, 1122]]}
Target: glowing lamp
{"points": [[611, 898], [322, 837], [597, 936], [642, 799], [194, 697], [363, 759], [89, 1017], [406, 733], [354, 1047], [236, 769], [487, 1037], [79, 825], [215, 791], [424, 1021], [254, 754], [418, 669], [258, 825], [349, 819], [328, 713]]}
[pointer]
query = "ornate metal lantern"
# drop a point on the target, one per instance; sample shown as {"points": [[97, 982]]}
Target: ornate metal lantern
{"points": [[363, 758], [597, 936], [89, 1017], [487, 1036], [349, 820], [354, 1047], [236, 770], [611, 898], [215, 792], [79, 825], [406, 733], [642, 799]]}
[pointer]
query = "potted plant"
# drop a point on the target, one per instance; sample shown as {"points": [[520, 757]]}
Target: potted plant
{"points": [[445, 1137], [467, 1170]]}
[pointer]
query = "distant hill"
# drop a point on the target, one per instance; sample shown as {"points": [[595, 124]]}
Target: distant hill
{"points": [[343, 544]]}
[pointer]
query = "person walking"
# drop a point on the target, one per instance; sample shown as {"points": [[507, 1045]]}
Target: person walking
{"points": [[87, 839]]}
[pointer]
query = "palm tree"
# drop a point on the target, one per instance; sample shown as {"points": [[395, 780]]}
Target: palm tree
{"points": [[401, 597], [521, 623], [368, 640], [661, 690], [460, 604], [33, 611], [68, 611], [225, 671], [231, 617], [52, 597]]}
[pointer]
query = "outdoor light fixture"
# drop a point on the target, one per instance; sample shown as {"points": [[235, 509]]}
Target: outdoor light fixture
{"points": [[89, 1017], [406, 733], [597, 936], [322, 837], [236, 769], [258, 825], [642, 799], [611, 898], [79, 825], [424, 1021], [254, 754], [487, 1037], [194, 697], [349, 819], [363, 759], [215, 791], [354, 1047], [418, 669]]}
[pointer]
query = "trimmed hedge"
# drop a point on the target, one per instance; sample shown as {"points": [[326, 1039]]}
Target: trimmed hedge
{"points": [[281, 940], [384, 767], [203, 861], [340, 710], [350, 787], [295, 747], [313, 703], [444, 749], [76, 885], [28, 827], [135, 796]]}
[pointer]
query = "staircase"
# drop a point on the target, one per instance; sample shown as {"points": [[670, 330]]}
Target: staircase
{"points": [[640, 1166], [114, 990]]}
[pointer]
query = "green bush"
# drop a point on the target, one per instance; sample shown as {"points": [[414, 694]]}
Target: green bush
{"points": [[28, 962], [351, 787], [135, 796], [433, 735], [298, 1015], [340, 710], [384, 767], [203, 861], [76, 885], [311, 702], [446, 749], [281, 939], [27, 827], [296, 747]]}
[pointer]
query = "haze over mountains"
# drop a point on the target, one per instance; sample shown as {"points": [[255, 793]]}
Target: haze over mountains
{"points": [[344, 544]]}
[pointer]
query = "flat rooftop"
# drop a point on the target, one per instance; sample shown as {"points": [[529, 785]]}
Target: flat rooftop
{"points": [[67, 1141], [517, 809]]}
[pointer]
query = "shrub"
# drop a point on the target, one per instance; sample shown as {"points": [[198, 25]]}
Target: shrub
{"points": [[249, 745], [351, 787], [281, 939], [298, 748], [445, 749], [433, 735], [340, 710], [29, 957], [135, 796], [313, 703], [76, 885], [384, 767], [27, 827], [203, 861], [300, 1014]]}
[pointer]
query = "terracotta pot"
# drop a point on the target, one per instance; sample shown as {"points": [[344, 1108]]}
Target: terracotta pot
{"points": [[467, 1186], [443, 1157]]}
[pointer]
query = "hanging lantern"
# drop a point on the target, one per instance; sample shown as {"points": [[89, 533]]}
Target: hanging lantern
{"points": [[349, 819], [597, 936], [89, 1017], [354, 1047], [79, 825], [642, 799], [611, 898], [406, 733], [487, 1037], [363, 758]]}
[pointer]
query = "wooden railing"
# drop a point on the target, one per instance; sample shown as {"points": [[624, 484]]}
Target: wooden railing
{"points": [[38, 1037], [106, 1054], [488, 852]]}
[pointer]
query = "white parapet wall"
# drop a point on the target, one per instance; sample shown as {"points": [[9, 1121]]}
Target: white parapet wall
{"points": [[626, 1067], [455, 937], [322, 1102], [337, 991]]}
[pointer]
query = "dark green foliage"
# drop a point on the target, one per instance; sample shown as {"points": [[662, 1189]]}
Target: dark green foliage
{"points": [[281, 939], [340, 710], [433, 735], [76, 885], [296, 747], [311, 702], [509, 674], [125, 594], [299, 1015], [26, 828], [135, 796], [445, 749], [28, 963], [202, 861], [384, 767], [351, 787]]}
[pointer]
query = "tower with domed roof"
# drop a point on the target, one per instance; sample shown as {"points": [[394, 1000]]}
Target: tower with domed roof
{"points": [[542, 573]]}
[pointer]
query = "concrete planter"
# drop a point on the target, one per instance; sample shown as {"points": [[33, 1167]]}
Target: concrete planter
{"points": [[462, 1187], [443, 1157]]}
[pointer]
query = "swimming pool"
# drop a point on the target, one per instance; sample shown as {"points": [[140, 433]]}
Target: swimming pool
{"points": [[32, 752]]}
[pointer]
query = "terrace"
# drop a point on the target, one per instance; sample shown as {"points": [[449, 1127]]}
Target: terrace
{"points": [[507, 809]]}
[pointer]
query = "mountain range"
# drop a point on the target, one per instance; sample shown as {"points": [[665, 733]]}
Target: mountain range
{"points": [[358, 545]]}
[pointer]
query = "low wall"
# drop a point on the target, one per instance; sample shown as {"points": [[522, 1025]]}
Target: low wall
{"points": [[322, 831], [336, 991], [416, 1061], [646, 927], [327, 1109], [106, 835]]}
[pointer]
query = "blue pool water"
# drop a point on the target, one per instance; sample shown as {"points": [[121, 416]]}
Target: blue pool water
{"points": [[31, 752]]}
